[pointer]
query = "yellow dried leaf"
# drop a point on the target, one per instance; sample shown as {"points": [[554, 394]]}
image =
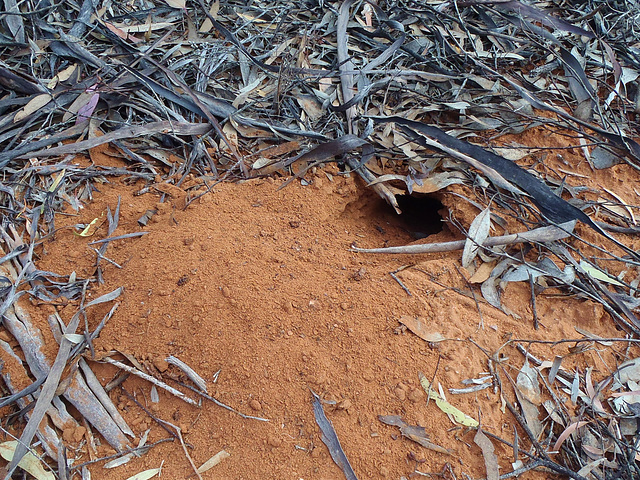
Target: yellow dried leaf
{"points": [[66, 73], [61, 76], [455, 415], [85, 231], [598, 274], [57, 181], [146, 475], [29, 462]]}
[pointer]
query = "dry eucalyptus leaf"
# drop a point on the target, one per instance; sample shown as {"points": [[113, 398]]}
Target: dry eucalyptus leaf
{"points": [[478, 233], [124, 459], [527, 390], [437, 181], [146, 475], [418, 327], [213, 11], [599, 274], [177, 3], [552, 411], [528, 383], [489, 455], [35, 104], [602, 158], [555, 367], [629, 370], [213, 461], [29, 462], [489, 290], [482, 273], [568, 431], [454, 414]]}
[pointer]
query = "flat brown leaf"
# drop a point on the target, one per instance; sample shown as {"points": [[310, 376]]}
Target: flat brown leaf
{"points": [[418, 326], [488, 452]]}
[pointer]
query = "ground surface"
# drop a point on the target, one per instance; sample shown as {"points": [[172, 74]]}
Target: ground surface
{"points": [[255, 287]]}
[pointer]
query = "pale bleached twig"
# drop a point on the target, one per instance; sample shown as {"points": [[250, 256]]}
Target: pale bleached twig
{"points": [[543, 234], [151, 379]]}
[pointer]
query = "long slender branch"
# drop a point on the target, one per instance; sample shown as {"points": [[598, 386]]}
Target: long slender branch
{"points": [[543, 234]]}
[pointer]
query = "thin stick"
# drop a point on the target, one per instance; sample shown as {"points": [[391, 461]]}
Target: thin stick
{"points": [[165, 425], [135, 451], [223, 405], [186, 453], [543, 234], [149, 378], [395, 277], [536, 323]]}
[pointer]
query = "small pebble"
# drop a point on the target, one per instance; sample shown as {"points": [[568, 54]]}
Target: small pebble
{"points": [[255, 405], [400, 393]]}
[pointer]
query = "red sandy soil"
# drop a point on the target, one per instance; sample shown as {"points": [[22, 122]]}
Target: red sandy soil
{"points": [[258, 283]]}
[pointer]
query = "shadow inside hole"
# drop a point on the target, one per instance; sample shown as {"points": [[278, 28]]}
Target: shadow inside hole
{"points": [[420, 215]]}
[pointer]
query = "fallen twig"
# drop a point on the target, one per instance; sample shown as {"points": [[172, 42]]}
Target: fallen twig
{"points": [[150, 379], [543, 234]]}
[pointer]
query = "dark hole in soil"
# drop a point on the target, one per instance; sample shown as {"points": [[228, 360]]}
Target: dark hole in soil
{"points": [[420, 214]]}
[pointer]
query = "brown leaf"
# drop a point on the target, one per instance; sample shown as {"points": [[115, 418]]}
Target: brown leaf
{"points": [[482, 273], [35, 104], [488, 452], [417, 326]]}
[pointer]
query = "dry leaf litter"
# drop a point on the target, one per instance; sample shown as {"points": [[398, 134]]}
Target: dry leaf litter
{"points": [[198, 200]]}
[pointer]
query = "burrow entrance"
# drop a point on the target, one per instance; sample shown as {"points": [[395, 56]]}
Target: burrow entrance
{"points": [[421, 213]]}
